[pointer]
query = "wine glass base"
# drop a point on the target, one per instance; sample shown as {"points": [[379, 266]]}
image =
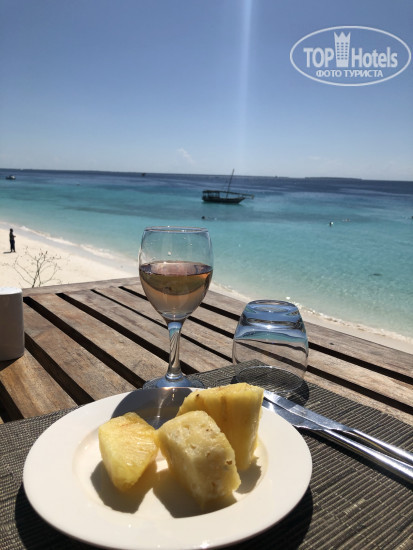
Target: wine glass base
{"points": [[183, 382]]}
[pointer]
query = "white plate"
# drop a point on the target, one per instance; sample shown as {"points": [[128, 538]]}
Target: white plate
{"points": [[66, 483]]}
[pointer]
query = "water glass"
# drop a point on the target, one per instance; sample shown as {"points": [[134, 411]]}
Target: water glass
{"points": [[272, 334]]}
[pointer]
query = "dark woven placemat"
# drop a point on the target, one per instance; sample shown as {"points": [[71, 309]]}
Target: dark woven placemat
{"points": [[350, 504]]}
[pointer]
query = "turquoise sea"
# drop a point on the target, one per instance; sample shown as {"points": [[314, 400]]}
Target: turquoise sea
{"points": [[278, 245]]}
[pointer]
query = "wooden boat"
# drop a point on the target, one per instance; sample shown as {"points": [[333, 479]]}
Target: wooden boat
{"points": [[226, 197]]}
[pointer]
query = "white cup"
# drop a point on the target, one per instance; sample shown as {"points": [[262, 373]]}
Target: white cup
{"points": [[11, 323]]}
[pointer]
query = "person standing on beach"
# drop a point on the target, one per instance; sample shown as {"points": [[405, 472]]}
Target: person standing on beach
{"points": [[12, 237]]}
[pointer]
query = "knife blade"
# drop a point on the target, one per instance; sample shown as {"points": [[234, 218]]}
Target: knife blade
{"points": [[391, 464], [330, 424]]}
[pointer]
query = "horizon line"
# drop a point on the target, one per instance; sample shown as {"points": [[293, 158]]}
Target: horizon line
{"points": [[142, 173]]}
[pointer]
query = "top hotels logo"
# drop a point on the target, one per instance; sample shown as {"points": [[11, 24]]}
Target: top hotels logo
{"points": [[350, 56]]}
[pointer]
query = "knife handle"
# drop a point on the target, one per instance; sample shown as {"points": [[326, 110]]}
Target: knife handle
{"points": [[393, 465], [401, 454]]}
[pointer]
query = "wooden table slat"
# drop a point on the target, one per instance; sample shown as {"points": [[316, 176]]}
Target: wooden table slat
{"points": [[73, 287], [127, 358], [224, 304], [368, 382], [218, 321], [206, 337], [27, 390], [362, 351], [150, 334], [67, 361]]}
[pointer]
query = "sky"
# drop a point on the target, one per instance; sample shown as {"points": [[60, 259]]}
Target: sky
{"points": [[192, 86]]}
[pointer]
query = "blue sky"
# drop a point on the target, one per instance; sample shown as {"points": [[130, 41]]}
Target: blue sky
{"points": [[194, 86]]}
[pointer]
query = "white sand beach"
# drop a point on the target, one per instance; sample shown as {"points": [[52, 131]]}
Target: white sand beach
{"points": [[67, 263], [74, 264]]}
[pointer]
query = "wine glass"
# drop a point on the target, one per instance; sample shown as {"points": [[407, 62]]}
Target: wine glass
{"points": [[273, 335], [175, 268]]}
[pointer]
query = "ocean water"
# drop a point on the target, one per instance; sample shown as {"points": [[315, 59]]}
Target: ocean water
{"points": [[279, 245]]}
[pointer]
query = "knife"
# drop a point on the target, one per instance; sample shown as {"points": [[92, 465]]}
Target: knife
{"points": [[391, 464], [382, 446]]}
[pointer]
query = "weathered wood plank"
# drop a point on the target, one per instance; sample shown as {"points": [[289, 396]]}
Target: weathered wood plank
{"points": [[225, 304], [214, 301], [217, 321], [208, 338], [27, 390], [383, 388], [125, 357], [336, 343], [83, 376], [72, 287], [149, 334]]}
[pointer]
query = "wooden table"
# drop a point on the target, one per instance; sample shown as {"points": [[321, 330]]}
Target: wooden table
{"points": [[88, 341], [91, 340]]}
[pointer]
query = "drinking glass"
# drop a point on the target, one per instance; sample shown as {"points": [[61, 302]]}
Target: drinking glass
{"points": [[272, 333], [175, 268]]}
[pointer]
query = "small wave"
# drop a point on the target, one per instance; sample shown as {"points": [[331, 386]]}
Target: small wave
{"points": [[48, 236], [102, 253]]}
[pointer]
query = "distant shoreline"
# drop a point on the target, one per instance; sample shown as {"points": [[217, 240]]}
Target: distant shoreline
{"points": [[143, 174]]}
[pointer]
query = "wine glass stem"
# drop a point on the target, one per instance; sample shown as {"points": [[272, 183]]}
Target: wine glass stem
{"points": [[174, 368]]}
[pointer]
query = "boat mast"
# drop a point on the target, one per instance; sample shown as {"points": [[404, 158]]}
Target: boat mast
{"points": [[230, 180]]}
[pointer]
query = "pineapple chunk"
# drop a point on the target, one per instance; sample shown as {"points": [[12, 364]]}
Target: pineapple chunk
{"points": [[237, 411], [128, 445], [199, 456]]}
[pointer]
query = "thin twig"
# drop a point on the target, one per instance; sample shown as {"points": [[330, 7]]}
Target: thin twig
{"points": [[41, 270]]}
